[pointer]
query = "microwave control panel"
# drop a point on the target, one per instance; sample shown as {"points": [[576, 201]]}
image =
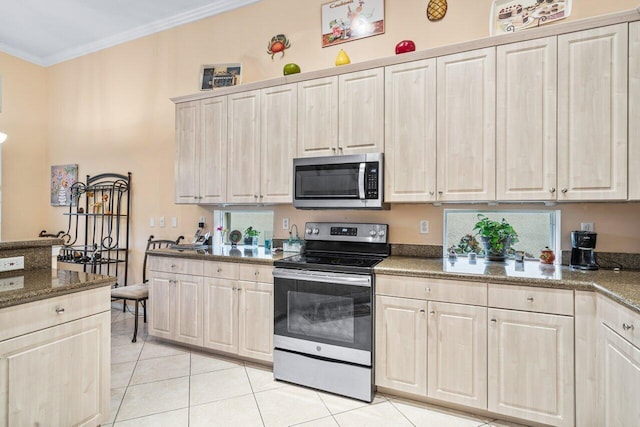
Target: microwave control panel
{"points": [[371, 180]]}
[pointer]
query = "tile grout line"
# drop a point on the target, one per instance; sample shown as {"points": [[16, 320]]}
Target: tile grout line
{"points": [[328, 410], [401, 413], [253, 393]]}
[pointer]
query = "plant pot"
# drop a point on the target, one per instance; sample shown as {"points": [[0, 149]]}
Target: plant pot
{"points": [[251, 241], [493, 254]]}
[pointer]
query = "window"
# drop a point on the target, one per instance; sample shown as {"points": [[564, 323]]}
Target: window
{"points": [[241, 220], [536, 229]]}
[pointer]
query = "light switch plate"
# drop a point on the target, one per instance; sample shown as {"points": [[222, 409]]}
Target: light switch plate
{"points": [[424, 226], [174, 221], [161, 221]]}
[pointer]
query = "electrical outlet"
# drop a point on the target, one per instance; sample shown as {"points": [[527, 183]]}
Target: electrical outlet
{"points": [[13, 263], [152, 222], [161, 221], [586, 226], [424, 226], [285, 223], [174, 221]]}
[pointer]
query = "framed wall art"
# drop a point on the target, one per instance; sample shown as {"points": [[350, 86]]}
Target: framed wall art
{"points": [[508, 16], [347, 20], [62, 178], [220, 75]]}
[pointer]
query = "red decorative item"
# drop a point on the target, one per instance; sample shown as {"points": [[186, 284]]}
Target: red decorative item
{"points": [[405, 46], [547, 256]]}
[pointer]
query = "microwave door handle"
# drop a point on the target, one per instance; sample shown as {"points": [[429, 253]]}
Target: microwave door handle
{"points": [[361, 177]]}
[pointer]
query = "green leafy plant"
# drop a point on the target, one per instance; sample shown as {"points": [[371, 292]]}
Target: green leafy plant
{"points": [[251, 232], [497, 236]]}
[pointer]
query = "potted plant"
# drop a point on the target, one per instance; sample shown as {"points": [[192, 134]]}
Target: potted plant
{"points": [[251, 236], [496, 237]]}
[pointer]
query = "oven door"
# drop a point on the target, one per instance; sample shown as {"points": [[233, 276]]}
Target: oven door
{"points": [[324, 314]]}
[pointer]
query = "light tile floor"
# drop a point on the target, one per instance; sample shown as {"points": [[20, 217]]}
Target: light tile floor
{"points": [[158, 384]]}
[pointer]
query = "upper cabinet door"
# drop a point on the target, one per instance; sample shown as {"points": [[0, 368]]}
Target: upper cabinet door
{"points": [[278, 119], [361, 108], [592, 114], [466, 126], [410, 132], [318, 117], [243, 167], [526, 120], [634, 111], [187, 140], [213, 151]]}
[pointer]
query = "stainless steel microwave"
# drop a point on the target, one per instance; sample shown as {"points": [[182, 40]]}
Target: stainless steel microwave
{"points": [[339, 182]]}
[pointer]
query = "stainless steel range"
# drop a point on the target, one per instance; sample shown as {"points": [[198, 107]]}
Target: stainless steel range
{"points": [[323, 309]]}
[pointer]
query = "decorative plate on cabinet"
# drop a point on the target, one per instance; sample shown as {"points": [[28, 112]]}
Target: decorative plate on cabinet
{"points": [[234, 237]]}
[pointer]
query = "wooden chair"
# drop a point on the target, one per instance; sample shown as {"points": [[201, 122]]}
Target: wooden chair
{"points": [[140, 293]]}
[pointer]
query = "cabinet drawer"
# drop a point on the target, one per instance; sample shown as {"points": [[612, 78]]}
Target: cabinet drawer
{"points": [[36, 315], [256, 273], [455, 291], [527, 298], [222, 270], [176, 265], [623, 321]]}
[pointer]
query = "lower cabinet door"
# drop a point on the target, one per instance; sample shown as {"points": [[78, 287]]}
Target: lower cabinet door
{"points": [[255, 320], [221, 314], [457, 356], [620, 381], [188, 309], [401, 344], [161, 309], [530, 366], [58, 376]]}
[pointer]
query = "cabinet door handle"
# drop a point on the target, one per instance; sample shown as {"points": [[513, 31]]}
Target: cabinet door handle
{"points": [[530, 299], [255, 273], [333, 149], [219, 270], [427, 289], [261, 196], [422, 311], [60, 310], [432, 312], [255, 196], [564, 190], [494, 321], [431, 193], [627, 327], [173, 266], [552, 190]]}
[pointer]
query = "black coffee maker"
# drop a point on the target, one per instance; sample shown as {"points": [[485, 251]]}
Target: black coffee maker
{"points": [[583, 256]]}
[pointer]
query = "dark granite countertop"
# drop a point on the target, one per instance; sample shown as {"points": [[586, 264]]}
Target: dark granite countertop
{"points": [[621, 286], [22, 244], [19, 287], [224, 253]]}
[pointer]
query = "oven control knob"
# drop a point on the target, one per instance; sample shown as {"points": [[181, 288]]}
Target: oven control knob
{"points": [[318, 348], [316, 231], [308, 231], [381, 233], [373, 233]]}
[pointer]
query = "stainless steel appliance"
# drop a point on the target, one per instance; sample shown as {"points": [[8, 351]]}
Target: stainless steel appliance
{"points": [[339, 182], [583, 256], [323, 309]]}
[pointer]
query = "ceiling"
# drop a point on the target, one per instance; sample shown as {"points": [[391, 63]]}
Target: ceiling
{"points": [[46, 32]]}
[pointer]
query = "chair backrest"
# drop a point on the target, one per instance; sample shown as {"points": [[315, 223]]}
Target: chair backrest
{"points": [[156, 244]]}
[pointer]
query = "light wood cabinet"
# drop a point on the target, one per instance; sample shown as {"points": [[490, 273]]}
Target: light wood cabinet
{"points": [[526, 120], [592, 114], [401, 344], [361, 112], [634, 111], [186, 162], [201, 151], [341, 115], [239, 313], [278, 120], [466, 126], [175, 304], [619, 381], [531, 366], [318, 117], [243, 147], [410, 132], [457, 354], [58, 376]]}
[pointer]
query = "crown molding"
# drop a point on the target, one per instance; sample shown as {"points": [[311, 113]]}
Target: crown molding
{"points": [[215, 8]]}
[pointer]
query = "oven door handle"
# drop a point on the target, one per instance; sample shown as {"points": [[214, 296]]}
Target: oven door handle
{"points": [[361, 178], [314, 276]]}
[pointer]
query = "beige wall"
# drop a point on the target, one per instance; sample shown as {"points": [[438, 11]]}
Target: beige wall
{"points": [[110, 112]]}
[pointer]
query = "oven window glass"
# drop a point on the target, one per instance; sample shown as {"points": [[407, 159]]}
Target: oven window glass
{"points": [[321, 316], [327, 181]]}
